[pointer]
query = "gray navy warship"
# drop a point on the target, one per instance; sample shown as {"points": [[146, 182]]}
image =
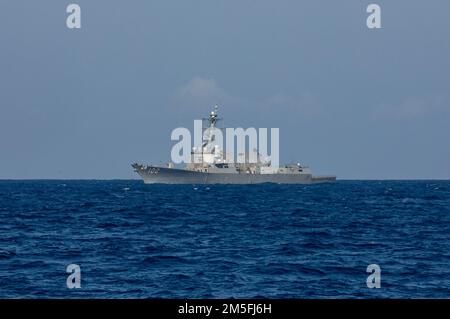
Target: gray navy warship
{"points": [[209, 165]]}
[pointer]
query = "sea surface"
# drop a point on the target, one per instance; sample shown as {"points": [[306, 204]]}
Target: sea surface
{"points": [[276, 241]]}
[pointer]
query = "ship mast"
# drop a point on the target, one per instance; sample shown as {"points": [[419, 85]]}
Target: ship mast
{"points": [[212, 120]]}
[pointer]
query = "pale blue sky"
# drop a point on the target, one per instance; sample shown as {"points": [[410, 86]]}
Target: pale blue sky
{"points": [[349, 101]]}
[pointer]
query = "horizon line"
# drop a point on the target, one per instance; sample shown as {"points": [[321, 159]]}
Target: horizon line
{"points": [[139, 179]]}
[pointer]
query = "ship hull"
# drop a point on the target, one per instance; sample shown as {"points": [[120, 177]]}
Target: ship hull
{"points": [[162, 175]]}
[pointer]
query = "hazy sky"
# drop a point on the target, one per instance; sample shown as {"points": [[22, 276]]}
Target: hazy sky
{"points": [[348, 100]]}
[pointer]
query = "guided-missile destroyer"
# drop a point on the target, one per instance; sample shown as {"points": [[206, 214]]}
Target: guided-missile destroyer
{"points": [[210, 165]]}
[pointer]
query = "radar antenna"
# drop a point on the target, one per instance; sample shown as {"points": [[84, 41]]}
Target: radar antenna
{"points": [[213, 117]]}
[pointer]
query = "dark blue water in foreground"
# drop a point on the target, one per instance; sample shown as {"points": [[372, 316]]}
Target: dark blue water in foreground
{"points": [[142, 241]]}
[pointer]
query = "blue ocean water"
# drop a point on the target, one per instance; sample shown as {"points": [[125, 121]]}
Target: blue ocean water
{"points": [[278, 241]]}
